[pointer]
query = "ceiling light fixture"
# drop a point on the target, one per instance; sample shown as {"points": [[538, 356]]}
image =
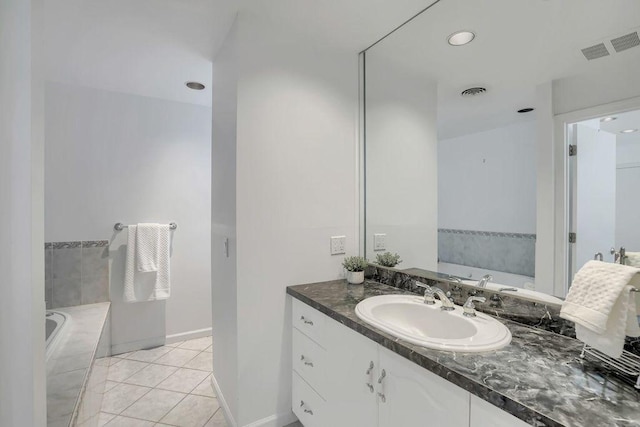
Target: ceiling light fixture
{"points": [[195, 85], [608, 119], [525, 110], [629, 131], [460, 38]]}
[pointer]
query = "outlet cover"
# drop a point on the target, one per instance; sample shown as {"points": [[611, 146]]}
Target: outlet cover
{"points": [[338, 244], [379, 242]]}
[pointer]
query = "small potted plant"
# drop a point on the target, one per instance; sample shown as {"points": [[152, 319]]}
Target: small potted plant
{"points": [[355, 266], [388, 259]]}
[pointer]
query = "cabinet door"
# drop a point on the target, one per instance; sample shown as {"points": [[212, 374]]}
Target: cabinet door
{"points": [[351, 369], [484, 414], [416, 397]]}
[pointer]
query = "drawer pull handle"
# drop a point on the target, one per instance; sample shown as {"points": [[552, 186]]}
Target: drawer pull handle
{"points": [[307, 411], [382, 397], [370, 387], [306, 322], [370, 368], [382, 375], [302, 358]]}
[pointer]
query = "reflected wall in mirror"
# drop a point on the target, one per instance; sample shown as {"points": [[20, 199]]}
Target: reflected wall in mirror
{"points": [[462, 153], [605, 174]]}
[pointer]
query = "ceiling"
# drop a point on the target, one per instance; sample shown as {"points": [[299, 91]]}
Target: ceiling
{"points": [[519, 44], [628, 120], [152, 47]]}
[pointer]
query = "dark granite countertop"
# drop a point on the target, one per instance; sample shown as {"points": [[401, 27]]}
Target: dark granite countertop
{"points": [[539, 377]]}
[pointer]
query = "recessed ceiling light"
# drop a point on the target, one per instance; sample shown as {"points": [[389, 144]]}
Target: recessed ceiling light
{"points": [[629, 131], [526, 110], [195, 85], [608, 119], [461, 38]]}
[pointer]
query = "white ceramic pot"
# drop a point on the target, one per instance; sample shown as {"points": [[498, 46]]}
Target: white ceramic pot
{"points": [[355, 277]]}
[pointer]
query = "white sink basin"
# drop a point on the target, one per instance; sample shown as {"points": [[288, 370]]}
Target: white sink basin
{"points": [[409, 318]]}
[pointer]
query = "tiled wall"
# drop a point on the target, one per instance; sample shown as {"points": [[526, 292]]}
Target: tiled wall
{"points": [[509, 252], [76, 273]]}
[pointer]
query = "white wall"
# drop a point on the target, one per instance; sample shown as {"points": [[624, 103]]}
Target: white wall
{"points": [[223, 223], [296, 187], [22, 366], [401, 162], [113, 157], [487, 180], [627, 200]]}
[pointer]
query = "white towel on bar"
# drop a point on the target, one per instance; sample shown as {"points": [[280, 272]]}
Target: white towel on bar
{"points": [[602, 306], [140, 285], [149, 239], [633, 259]]}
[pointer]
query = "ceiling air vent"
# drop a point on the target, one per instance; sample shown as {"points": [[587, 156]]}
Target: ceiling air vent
{"points": [[595, 51], [626, 42], [473, 91]]}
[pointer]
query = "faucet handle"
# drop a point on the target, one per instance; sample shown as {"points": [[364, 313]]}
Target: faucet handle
{"points": [[428, 292], [469, 308]]}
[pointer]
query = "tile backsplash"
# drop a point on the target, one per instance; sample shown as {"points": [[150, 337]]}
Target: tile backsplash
{"points": [[509, 252], [76, 273]]}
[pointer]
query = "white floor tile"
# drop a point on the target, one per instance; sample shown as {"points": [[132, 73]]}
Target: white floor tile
{"points": [[121, 397], [149, 355], [104, 418], [109, 385], [154, 405], [205, 388], [124, 369], [174, 344], [203, 362], [209, 349], [177, 357], [197, 344], [183, 380], [151, 375], [121, 421], [217, 420], [192, 411]]}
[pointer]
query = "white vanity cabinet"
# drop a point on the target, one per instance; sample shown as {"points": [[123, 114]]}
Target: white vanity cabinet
{"points": [[341, 378], [484, 414], [418, 397]]}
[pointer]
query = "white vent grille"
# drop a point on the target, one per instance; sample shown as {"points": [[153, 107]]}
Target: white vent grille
{"points": [[595, 51], [473, 91], [626, 42]]}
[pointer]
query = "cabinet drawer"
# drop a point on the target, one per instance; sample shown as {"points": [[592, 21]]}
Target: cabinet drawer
{"points": [[309, 361], [309, 321], [308, 406]]}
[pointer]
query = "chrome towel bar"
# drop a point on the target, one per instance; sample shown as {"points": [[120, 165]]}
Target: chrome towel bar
{"points": [[120, 226]]}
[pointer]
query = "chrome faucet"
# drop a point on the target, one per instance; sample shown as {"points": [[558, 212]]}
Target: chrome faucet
{"points": [[428, 294], [482, 283], [447, 305], [469, 309]]}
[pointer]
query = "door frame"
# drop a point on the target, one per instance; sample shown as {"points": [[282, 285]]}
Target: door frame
{"points": [[561, 124]]}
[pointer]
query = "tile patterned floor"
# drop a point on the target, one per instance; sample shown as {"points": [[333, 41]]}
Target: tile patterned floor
{"points": [[164, 386]]}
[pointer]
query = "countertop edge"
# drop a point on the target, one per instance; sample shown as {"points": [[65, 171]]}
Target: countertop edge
{"points": [[517, 409]]}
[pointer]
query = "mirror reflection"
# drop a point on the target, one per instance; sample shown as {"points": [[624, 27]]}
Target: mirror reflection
{"points": [[471, 109]]}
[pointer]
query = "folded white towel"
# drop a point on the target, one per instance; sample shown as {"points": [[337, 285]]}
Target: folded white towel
{"points": [[602, 307], [148, 243], [622, 323], [152, 285]]}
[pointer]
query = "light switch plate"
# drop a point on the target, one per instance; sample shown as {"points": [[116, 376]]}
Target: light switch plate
{"points": [[338, 244], [379, 242]]}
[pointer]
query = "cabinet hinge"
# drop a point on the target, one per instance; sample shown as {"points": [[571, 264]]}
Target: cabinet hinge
{"points": [[572, 237], [573, 150]]}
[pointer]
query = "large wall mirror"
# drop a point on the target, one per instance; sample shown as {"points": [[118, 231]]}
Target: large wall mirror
{"points": [[470, 109]]}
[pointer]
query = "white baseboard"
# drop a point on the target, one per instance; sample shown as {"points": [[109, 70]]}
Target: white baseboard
{"points": [[276, 420], [228, 416], [126, 347], [189, 335]]}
